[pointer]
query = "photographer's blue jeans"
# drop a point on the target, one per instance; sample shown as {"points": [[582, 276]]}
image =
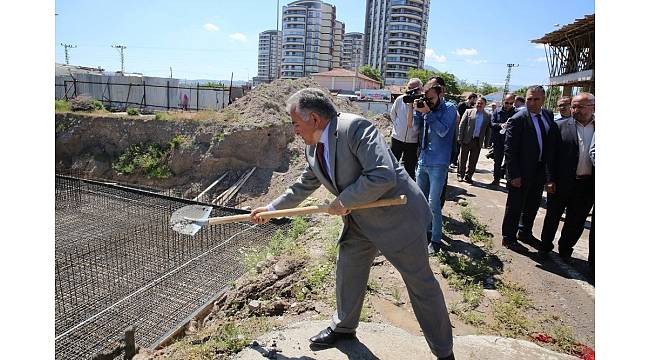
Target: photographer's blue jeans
{"points": [[431, 180]]}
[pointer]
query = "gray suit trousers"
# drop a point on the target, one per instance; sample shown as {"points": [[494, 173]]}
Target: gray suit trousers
{"points": [[356, 254]]}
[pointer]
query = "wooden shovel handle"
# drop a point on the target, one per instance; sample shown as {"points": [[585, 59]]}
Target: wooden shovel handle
{"points": [[307, 210]]}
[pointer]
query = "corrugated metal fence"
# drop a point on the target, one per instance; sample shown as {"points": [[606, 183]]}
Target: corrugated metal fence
{"points": [[151, 93]]}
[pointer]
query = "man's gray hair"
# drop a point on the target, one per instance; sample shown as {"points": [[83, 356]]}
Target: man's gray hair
{"points": [[310, 100], [415, 80], [590, 97], [536, 88]]}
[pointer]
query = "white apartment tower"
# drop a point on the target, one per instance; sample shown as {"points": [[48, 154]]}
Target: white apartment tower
{"points": [[352, 51], [310, 38], [268, 58], [396, 37]]}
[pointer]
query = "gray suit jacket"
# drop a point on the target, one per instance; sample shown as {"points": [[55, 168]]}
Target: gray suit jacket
{"points": [[364, 170], [467, 124]]}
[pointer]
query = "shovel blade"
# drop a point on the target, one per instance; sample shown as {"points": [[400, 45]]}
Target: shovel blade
{"points": [[186, 219]]}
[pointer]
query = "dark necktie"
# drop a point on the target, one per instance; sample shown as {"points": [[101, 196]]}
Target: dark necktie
{"points": [[542, 130], [320, 155]]}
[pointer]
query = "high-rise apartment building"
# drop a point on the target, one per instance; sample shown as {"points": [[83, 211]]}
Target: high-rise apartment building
{"points": [[352, 51], [309, 38], [396, 37], [268, 57]]}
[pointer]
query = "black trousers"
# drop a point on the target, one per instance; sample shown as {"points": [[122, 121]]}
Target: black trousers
{"points": [[498, 160], [471, 151], [409, 151], [577, 198], [522, 205]]}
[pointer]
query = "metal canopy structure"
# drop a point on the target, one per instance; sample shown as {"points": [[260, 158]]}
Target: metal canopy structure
{"points": [[119, 264], [570, 54]]}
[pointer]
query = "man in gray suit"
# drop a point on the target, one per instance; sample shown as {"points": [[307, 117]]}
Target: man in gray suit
{"points": [[473, 132], [348, 155]]}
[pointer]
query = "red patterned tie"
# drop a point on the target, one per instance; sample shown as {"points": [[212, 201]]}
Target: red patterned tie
{"points": [[320, 155]]}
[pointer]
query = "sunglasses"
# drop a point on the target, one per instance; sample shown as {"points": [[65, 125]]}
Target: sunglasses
{"points": [[507, 103]]}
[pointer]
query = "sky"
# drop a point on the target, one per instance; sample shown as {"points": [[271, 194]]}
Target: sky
{"points": [[474, 40]]}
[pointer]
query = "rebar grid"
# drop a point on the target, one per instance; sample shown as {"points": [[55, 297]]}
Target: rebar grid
{"points": [[118, 263]]}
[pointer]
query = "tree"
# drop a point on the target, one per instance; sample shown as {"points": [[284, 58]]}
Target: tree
{"points": [[486, 88], [423, 74], [464, 86], [371, 72]]}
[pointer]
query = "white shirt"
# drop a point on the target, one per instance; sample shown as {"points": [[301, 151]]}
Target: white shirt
{"points": [[477, 125], [398, 115], [533, 116], [585, 135], [324, 138]]}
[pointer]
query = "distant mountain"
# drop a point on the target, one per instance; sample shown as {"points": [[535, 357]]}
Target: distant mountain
{"points": [[430, 68], [204, 81]]}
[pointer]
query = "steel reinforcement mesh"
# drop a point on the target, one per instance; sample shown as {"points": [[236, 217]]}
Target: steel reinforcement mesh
{"points": [[118, 263]]}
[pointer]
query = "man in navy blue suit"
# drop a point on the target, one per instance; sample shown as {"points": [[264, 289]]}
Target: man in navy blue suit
{"points": [[531, 137]]}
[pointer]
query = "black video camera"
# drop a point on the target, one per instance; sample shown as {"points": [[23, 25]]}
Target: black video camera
{"points": [[411, 96]]}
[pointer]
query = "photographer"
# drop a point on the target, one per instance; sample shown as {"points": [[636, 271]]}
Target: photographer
{"points": [[404, 137], [437, 118]]}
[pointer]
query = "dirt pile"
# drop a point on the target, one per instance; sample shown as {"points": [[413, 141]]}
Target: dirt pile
{"points": [[265, 105]]}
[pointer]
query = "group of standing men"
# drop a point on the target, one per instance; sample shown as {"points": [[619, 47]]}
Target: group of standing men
{"points": [[532, 149]]}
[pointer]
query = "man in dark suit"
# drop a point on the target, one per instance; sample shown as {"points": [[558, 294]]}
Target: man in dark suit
{"points": [[531, 136], [349, 156], [498, 123], [473, 133], [574, 178]]}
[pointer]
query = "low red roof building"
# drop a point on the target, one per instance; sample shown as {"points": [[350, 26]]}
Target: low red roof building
{"points": [[345, 80]]}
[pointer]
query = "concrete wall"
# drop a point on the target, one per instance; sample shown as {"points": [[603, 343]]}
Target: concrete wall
{"points": [[129, 91]]}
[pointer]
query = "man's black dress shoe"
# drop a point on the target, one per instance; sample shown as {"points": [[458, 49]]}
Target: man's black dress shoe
{"points": [[328, 337]]}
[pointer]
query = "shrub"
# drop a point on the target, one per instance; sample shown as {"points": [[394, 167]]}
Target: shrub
{"points": [[132, 111], [149, 160], [98, 105], [178, 141], [163, 116]]}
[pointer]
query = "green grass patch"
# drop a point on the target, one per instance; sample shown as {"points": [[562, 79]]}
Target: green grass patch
{"points": [[61, 106], [132, 111], [150, 160], [563, 338], [179, 141], [317, 275], [511, 321], [366, 311], [466, 274], [373, 286], [218, 137], [396, 294], [479, 234], [282, 242], [467, 314], [163, 116]]}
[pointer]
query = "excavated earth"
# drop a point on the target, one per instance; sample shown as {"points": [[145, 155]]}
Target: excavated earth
{"points": [[255, 131]]}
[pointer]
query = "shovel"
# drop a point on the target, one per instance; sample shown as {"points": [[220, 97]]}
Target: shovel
{"points": [[189, 219]]}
